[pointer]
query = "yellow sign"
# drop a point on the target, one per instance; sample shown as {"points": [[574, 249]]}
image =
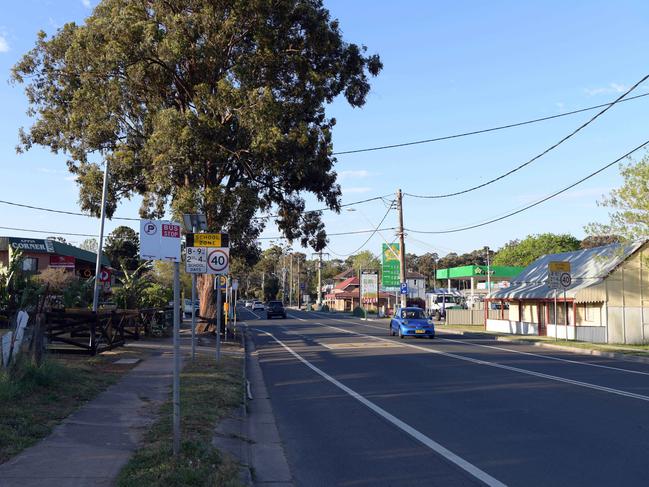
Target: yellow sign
{"points": [[559, 266], [208, 240], [391, 252]]}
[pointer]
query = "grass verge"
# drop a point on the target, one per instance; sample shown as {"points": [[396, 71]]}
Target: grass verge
{"points": [[207, 394], [35, 399]]}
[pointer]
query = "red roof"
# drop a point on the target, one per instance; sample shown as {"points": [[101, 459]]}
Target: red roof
{"points": [[352, 281], [354, 294], [345, 275]]}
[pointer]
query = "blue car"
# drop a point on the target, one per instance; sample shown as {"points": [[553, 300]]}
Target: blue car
{"points": [[411, 322]]}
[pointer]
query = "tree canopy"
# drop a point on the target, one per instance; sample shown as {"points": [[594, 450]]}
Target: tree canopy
{"points": [[199, 106], [123, 248], [630, 204], [524, 252]]}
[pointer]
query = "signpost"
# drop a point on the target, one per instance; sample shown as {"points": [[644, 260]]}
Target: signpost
{"points": [[160, 240], [390, 266], [369, 288], [104, 275], [404, 288], [559, 278], [218, 261]]}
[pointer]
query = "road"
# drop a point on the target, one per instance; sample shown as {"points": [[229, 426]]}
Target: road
{"points": [[357, 407]]}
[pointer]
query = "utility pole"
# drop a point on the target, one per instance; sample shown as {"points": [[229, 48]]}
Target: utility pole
{"points": [[298, 282], [402, 247], [320, 254], [290, 283], [488, 271]]}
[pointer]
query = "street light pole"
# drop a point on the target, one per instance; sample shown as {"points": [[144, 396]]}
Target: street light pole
{"points": [[95, 294]]}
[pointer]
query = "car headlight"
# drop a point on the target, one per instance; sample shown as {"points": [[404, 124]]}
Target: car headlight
{"points": [[430, 322]]}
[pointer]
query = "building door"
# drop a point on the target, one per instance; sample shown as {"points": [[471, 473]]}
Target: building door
{"points": [[541, 310]]}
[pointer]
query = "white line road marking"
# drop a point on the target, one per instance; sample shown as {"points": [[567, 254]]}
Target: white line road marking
{"points": [[295, 317], [256, 315], [496, 365], [549, 357], [417, 435]]}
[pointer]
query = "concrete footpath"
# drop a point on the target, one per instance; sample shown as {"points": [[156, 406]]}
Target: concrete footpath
{"points": [[90, 447]]}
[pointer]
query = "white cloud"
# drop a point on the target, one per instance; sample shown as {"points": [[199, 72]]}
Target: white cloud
{"points": [[611, 88], [4, 45], [362, 173], [357, 189], [86, 3]]}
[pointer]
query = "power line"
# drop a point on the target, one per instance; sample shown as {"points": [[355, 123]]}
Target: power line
{"points": [[377, 229], [484, 131], [552, 147], [48, 232], [64, 212], [537, 202]]}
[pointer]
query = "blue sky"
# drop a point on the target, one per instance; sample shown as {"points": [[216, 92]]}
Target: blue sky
{"points": [[449, 67]]}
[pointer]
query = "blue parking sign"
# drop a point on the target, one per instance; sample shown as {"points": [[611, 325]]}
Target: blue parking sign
{"points": [[404, 288]]}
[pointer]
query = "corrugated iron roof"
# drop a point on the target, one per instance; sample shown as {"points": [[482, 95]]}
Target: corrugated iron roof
{"points": [[588, 267]]}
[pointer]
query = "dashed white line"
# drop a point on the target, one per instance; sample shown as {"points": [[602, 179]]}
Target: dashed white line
{"points": [[419, 436], [496, 365], [549, 357]]}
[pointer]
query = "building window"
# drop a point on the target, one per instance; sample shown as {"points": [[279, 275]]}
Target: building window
{"points": [[30, 264]]}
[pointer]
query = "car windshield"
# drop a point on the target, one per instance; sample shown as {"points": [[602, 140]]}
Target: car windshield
{"points": [[275, 303], [412, 314]]}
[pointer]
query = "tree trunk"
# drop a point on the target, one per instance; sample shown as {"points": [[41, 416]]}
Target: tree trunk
{"points": [[206, 296]]}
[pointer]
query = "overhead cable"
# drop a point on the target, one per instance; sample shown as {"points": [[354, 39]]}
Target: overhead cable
{"points": [[536, 203], [538, 156], [484, 131], [377, 229]]}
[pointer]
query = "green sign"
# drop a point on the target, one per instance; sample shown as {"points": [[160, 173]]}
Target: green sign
{"points": [[390, 268]]}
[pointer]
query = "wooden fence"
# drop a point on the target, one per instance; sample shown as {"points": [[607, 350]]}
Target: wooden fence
{"points": [[89, 332], [471, 316]]}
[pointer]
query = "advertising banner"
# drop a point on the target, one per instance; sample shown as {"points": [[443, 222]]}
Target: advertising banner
{"points": [[390, 266], [62, 262], [370, 287]]}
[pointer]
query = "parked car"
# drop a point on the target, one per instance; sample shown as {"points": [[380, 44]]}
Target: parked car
{"points": [[187, 306], [249, 303], [411, 322], [257, 306], [275, 308]]}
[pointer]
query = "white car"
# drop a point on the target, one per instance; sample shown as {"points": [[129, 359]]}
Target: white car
{"points": [[187, 306], [249, 303], [258, 306]]}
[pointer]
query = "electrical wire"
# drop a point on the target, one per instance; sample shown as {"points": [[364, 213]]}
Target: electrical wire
{"points": [[538, 156], [64, 212], [51, 233], [377, 229], [484, 131], [536, 203]]}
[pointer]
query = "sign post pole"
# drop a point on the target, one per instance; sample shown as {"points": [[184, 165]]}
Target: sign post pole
{"points": [[193, 309], [95, 291], [176, 379], [219, 305], [565, 304], [556, 324]]}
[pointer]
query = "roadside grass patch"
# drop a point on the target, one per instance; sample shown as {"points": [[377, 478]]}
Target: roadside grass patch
{"points": [[35, 399], [207, 394]]}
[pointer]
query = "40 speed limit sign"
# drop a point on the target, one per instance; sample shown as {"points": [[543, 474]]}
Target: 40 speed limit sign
{"points": [[218, 260]]}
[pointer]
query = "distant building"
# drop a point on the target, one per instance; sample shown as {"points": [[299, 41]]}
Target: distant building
{"points": [[607, 301], [42, 254], [473, 279], [345, 296]]}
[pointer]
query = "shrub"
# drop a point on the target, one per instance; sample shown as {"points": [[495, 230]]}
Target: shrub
{"points": [[325, 308], [156, 296], [359, 312]]}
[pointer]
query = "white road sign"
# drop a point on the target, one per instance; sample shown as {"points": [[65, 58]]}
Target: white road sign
{"points": [[235, 284], [159, 240], [218, 260], [565, 280], [556, 272], [196, 260]]}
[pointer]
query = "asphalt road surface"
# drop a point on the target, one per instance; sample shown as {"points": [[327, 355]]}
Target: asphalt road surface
{"points": [[356, 407]]}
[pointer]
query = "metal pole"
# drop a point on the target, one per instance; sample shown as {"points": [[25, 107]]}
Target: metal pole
{"points": [[193, 310], [219, 298], [95, 293], [488, 272], [402, 247], [320, 280], [565, 304], [556, 319], [298, 283], [290, 284], [176, 379]]}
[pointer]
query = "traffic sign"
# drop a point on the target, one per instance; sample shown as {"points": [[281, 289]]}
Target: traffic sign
{"points": [[104, 275], [196, 260], [208, 240], [218, 261], [404, 288], [235, 284], [159, 240], [556, 272]]}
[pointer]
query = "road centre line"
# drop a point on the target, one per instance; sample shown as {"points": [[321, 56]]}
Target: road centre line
{"points": [[549, 357], [541, 375], [295, 317], [417, 435]]}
